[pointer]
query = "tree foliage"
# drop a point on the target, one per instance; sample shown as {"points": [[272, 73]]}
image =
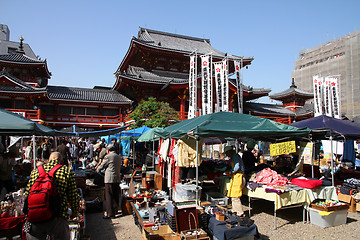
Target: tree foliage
{"points": [[152, 113]]}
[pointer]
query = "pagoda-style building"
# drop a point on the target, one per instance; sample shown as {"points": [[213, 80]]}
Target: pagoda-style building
{"points": [[24, 89], [294, 106], [157, 65]]}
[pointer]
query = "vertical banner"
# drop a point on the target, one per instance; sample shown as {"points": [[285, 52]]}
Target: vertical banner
{"points": [[239, 86], [192, 89], [327, 97], [218, 85], [317, 82], [334, 90], [205, 85], [225, 86]]}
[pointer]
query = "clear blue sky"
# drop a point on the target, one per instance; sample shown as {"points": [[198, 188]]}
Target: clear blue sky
{"points": [[85, 41]]}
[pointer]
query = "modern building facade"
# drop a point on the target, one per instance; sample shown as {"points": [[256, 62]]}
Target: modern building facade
{"points": [[339, 58]]}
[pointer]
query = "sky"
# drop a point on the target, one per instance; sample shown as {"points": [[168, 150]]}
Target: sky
{"points": [[84, 42]]}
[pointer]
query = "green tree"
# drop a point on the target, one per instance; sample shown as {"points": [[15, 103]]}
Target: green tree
{"points": [[152, 113]]}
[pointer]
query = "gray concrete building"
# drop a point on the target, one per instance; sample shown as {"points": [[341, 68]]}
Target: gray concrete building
{"points": [[339, 57], [10, 47]]}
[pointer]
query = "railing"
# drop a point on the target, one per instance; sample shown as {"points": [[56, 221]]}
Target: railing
{"points": [[69, 118]]}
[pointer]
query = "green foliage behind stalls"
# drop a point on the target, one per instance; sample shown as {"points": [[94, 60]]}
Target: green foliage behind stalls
{"points": [[152, 113]]}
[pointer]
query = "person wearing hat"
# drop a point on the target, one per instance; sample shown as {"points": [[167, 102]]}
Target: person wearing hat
{"points": [[237, 181], [249, 158], [111, 165]]}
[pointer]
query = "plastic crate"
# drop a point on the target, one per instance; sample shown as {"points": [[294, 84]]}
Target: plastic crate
{"points": [[335, 218], [217, 198]]}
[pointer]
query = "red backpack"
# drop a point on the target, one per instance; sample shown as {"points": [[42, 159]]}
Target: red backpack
{"points": [[43, 197]]}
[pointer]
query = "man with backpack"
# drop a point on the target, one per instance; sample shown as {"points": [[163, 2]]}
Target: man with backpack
{"points": [[47, 216]]}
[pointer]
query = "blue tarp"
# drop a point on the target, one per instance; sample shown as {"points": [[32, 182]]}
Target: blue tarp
{"points": [[135, 132]]}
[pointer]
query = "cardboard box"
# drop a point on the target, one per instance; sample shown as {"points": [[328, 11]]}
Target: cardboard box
{"points": [[163, 232], [335, 218], [348, 199]]}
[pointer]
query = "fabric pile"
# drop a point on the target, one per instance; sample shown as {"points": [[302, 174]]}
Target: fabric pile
{"points": [[350, 185], [270, 177]]}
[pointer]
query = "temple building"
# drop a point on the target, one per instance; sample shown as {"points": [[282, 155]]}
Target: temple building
{"points": [[293, 107], [157, 65], [24, 89]]}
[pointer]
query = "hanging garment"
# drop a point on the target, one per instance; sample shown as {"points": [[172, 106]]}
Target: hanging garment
{"points": [[187, 156]]}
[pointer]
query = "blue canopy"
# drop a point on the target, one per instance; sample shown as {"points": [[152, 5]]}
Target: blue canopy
{"points": [[335, 127], [135, 132]]}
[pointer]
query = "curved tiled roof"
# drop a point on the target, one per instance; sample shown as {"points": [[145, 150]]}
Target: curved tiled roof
{"points": [[20, 58], [181, 43], [157, 76], [86, 94], [276, 109], [21, 87], [292, 91]]}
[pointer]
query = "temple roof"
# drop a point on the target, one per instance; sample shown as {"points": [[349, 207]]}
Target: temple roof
{"points": [[155, 76], [180, 43], [86, 94], [276, 109], [292, 91], [17, 85], [20, 58], [164, 77]]}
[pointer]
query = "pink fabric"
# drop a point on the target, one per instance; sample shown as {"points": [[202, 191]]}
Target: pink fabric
{"points": [[270, 177]]}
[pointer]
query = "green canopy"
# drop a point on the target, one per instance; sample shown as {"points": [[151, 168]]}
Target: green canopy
{"points": [[15, 125], [149, 135], [228, 124]]}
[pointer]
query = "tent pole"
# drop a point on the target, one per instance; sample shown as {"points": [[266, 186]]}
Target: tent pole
{"points": [[34, 151], [197, 170], [153, 155], [332, 162], [312, 160]]}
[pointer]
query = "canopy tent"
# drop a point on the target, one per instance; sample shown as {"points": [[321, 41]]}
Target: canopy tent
{"points": [[12, 124], [228, 124], [334, 127], [150, 135]]}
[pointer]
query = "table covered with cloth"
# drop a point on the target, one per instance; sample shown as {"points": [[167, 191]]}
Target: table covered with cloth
{"points": [[280, 200], [221, 232]]}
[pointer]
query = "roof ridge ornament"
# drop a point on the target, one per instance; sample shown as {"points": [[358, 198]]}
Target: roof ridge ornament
{"points": [[21, 46], [293, 83]]}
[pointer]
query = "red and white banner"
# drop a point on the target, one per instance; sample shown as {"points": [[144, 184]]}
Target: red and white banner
{"points": [[192, 88], [225, 86], [327, 97], [219, 75], [317, 85], [334, 89], [206, 85], [239, 89]]}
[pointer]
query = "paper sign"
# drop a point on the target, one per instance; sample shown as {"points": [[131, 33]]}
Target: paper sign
{"points": [[282, 148]]}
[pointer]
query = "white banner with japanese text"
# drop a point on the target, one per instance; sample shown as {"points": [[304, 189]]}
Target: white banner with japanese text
{"points": [[334, 89], [317, 85], [218, 85], [239, 85], [192, 89], [206, 85], [225, 86]]}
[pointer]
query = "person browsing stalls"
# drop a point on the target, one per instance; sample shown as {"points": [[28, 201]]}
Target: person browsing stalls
{"points": [[237, 181]]}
